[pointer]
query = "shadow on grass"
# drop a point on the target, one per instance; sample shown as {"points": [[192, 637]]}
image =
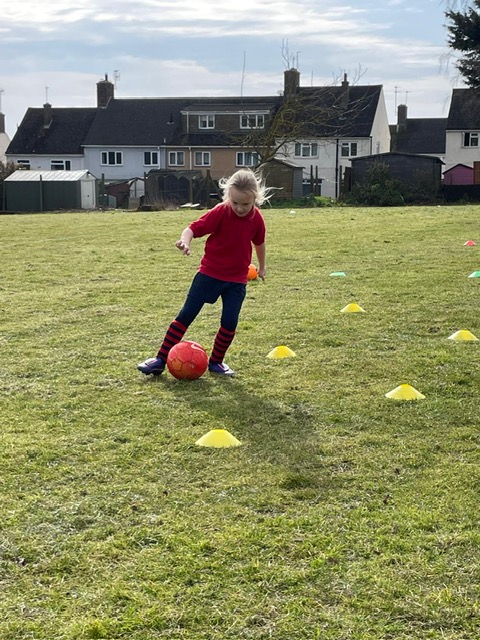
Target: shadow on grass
{"points": [[277, 432]]}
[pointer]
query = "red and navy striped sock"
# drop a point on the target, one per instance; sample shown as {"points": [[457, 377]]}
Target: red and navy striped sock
{"points": [[223, 340], [175, 333]]}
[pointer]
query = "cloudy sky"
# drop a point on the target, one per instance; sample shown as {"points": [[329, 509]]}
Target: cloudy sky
{"points": [[58, 51]]}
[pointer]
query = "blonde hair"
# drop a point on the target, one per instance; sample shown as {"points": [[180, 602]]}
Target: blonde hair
{"points": [[247, 181]]}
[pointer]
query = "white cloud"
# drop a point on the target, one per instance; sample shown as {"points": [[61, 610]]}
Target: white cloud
{"points": [[195, 47]]}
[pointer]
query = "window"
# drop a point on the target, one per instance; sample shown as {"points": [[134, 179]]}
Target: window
{"points": [[306, 150], [60, 165], [112, 158], [252, 122], [24, 164], [206, 121], [349, 149], [247, 159], [470, 138], [176, 158], [202, 158], [150, 158]]}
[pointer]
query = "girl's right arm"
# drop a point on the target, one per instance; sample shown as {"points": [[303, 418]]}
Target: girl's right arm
{"points": [[185, 239]]}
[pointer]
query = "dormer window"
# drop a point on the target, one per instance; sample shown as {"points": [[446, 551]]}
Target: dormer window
{"points": [[206, 121], [470, 138], [254, 121]]}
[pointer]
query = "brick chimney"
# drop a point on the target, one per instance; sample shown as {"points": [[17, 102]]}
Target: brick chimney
{"points": [[401, 117], [105, 91], [47, 115], [345, 95], [291, 82]]}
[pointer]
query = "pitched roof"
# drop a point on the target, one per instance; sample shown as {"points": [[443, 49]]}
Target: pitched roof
{"points": [[420, 135], [21, 175], [464, 110], [157, 121], [458, 166], [327, 112], [65, 134], [136, 121], [345, 112]]}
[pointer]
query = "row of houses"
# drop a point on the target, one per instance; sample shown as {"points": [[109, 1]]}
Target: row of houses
{"points": [[179, 147]]}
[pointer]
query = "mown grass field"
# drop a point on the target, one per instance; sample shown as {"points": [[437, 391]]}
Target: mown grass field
{"points": [[343, 515]]}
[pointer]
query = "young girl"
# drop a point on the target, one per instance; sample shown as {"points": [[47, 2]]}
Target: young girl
{"points": [[232, 227]]}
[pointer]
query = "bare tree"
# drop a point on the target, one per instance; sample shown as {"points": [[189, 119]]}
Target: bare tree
{"points": [[307, 113]]}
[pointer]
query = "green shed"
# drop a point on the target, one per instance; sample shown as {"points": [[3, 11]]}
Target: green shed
{"points": [[49, 190]]}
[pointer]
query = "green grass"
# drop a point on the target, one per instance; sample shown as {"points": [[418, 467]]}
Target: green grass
{"points": [[344, 515]]}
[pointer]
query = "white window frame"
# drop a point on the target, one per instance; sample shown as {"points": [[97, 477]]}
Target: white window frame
{"points": [[252, 121], [349, 149], [150, 158], [306, 150], [60, 165], [206, 121], [248, 159], [471, 139], [202, 159], [176, 158], [25, 164], [111, 158]]}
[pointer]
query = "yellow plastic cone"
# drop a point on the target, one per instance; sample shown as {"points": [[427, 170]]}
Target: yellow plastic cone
{"points": [[405, 392], [463, 334], [219, 438], [352, 308], [281, 352]]}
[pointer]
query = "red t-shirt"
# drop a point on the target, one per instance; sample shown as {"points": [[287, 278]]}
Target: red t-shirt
{"points": [[228, 249]]}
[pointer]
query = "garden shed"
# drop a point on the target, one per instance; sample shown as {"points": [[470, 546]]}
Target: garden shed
{"points": [[410, 169], [49, 190], [286, 177]]}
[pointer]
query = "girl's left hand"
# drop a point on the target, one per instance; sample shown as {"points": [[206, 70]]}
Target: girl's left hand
{"points": [[262, 274]]}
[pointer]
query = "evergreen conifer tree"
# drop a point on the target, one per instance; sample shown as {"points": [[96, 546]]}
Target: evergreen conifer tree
{"points": [[464, 38]]}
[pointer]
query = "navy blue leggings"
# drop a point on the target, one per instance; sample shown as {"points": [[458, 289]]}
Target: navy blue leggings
{"points": [[205, 289]]}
